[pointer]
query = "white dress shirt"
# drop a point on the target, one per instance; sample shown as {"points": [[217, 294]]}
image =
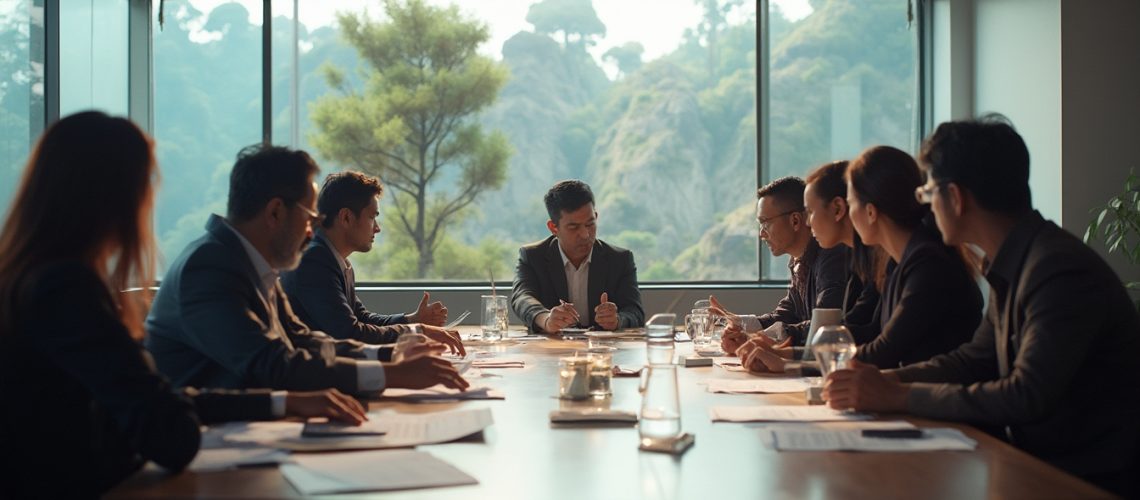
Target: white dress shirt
{"points": [[577, 284], [369, 373]]}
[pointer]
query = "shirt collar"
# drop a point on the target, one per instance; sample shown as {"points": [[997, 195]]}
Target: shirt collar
{"points": [[1007, 263], [265, 272], [341, 261], [566, 260]]}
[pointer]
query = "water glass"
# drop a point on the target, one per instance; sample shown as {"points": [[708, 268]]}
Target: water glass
{"points": [[710, 339], [601, 372], [659, 339], [833, 347], [695, 325], [574, 377], [494, 317]]}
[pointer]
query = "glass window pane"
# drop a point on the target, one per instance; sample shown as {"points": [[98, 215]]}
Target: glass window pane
{"points": [[207, 106], [660, 119], [841, 79], [21, 89], [93, 56]]}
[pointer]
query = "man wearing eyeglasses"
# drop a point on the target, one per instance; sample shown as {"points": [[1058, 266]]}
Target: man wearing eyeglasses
{"points": [[1053, 361], [818, 275], [221, 318]]}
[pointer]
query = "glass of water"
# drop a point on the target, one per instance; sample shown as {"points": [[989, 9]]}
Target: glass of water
{"points": [[833, 348], [494, 317]]}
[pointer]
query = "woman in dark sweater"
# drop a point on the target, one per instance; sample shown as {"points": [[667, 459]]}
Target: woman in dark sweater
{"points": [[84, 407], [930, 302]]}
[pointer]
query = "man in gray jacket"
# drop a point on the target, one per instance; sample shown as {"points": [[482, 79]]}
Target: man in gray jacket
{"points": [[1052, 362]]}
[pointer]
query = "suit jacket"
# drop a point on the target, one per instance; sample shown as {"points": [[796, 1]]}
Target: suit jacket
{"points": [[324, 299], [819, 279], [540, 281], [209, 326], [107, 410], [930, 305], [1053, 361]]}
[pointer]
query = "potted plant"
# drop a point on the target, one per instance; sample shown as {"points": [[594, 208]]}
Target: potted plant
{"points": [[1117, 225]]}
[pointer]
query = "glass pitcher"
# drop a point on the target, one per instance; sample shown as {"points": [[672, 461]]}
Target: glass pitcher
{"points": [[660, 403]]}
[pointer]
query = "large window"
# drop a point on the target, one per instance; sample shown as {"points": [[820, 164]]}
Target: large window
{"points": [[21, 89]]}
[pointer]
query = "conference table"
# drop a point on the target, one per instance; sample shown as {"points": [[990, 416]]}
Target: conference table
{"points": [[523, 456]]}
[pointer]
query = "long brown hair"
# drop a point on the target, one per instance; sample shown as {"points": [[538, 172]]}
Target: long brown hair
{"points": [[887, 177], [829, 181], [85, 195]]}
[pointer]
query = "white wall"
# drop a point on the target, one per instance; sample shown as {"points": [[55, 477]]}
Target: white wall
{"points": [[1100, 108]]}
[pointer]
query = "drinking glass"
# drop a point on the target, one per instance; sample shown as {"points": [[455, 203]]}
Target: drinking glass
{"points": [[494, 317], [833, 348], [659, 339]]}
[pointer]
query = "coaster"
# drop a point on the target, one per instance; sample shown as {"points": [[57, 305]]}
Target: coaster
{"points": [[676, 446]]}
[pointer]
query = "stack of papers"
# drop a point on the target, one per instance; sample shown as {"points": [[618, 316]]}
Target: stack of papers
{"points": [[439, 393], [498, 363], [853, 440], [388, 429], [210, 460], [371, 471], [777, 413], [759, 385]]}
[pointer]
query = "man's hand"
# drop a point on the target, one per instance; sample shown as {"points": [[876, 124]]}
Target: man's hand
{"points": [[732, 339], [422, 372], [449, 338], [561, 316], [434, 314], [606, 314], [329, 403], [716, 309], [863, 387], [765, 357], [414, 345]]}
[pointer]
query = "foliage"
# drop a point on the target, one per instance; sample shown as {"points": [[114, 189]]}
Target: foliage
{"points": [[627, 57], [571, 17], [1117, 223], [415, 118]]}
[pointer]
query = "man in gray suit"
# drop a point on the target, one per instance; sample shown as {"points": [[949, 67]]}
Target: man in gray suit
{"points": [[572, 278], [1053, 360], [221, 319]]}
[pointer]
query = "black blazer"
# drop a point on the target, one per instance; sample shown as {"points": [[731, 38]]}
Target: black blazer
{"points": [[540, 281], [210, 327], [929, 306], [84, 407], [324, 299], [818, 279], [1054, 360]]}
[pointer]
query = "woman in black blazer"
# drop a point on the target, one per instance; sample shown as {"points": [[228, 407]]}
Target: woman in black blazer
{"points": [[83, 406]]}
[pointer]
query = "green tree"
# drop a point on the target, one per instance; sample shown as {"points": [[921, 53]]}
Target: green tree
{"points": [[416, 121], [626, 56], [714, 21], [576, 17]]}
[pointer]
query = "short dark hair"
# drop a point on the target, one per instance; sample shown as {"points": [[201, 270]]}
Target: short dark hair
{"points": [[567, 196], [351, 190], [264, 172], [787, 191], [985, 156]]}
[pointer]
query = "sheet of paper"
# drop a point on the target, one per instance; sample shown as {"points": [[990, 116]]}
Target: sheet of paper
{"points": [[766, 428], [371, 471], [230, 458], [498, 363], [237, 434], [400, 430], [759, 385], [375, 426], [852, 440], [439, 393], [781, 413], [729, 363]]}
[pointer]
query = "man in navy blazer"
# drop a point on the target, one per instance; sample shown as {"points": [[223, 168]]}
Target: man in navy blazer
{"points": [[571, 278], [221, 319], [322, 290]]}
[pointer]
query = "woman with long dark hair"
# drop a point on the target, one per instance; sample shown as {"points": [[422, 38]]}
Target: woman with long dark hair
{"points": [[930, 302], [84, 407]]}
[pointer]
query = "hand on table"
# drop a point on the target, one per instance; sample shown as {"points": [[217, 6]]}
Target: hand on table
{"points": [[560, 316], [423, 371], [449, 338], [863, 387], [764, 356], [329, 403]]}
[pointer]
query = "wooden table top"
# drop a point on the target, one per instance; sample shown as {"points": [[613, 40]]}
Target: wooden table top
{"points": [[522, 456]]}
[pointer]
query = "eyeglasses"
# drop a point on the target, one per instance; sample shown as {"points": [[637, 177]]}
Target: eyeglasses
{"points": [[925, 193], [766, 224], [314, 217]]}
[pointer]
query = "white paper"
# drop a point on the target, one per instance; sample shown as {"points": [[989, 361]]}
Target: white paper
{"points": [[437, 393], [766, 428], [371, 471], [853, 440], [498, 363], [238, 434], [729, 363], [780, 413], [229, 458], [759, 385], [400, 430]]}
